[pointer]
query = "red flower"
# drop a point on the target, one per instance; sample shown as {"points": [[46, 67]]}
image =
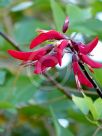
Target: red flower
{"points": [[46, 35], [46, 57], [89, 61], [77, 72], [59, 49], [51, 55], [45, 62], [35, 55], [86, 49]]}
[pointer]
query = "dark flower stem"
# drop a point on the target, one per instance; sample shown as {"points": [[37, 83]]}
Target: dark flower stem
{"points": [[91, 80]]}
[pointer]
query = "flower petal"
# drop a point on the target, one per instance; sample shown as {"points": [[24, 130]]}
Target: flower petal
{"points": [[90, 62], [86, 49], [65, 25], [45, 62], [30, 55], [77, 71], [60, 49], [49, 35]]}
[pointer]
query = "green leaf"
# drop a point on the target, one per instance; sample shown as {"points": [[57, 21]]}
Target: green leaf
{"points": [[81, 104], [98, 76], [2, 77], [31, 110], [98, 106], [60, 131], [19, 91], [85, 105], [6, 105], [97, 7], [93, 24], [91, 107], [25, 31], [77, 14], [58, 14], [22, 6]]}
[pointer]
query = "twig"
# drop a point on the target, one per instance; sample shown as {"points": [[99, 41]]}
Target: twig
{"points": [[60, 87], [72, 90], [93, 82], [97, 130], [12, 42]]}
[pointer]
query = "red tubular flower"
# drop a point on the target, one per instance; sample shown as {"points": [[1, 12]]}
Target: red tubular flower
{"points": [[77, 71], [65, 25], [86, 49], [49, 35], [59, 49], [89, 61], [35, 55], [45, 62], [50, 56]]}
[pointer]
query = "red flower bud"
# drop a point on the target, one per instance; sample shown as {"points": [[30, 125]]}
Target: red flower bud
{"points": [[65, 25]]}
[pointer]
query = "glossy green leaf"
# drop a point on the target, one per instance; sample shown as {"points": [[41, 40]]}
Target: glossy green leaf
{"points": [[98, 106], [91, 107], [81, 104]]}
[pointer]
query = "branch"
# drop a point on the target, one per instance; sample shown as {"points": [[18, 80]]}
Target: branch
{"points": [[93, 82], [60, 87], [12, 42], [97, 130]]}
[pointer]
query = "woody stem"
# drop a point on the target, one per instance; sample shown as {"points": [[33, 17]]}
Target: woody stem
{"points": [[12, 42], [93, 82], [60, 87]]}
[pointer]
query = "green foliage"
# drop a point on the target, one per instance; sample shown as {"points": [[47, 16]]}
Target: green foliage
{"points": [[82, 14], [59, 129], [2, 77], [4, 3], [58, 15], [86, 105], [29, 104]]}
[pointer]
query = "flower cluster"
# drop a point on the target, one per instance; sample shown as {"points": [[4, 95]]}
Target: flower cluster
{"points": [[51, 55]]}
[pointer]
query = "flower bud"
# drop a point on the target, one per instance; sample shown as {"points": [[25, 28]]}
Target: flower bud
{"points": [[65, 25]]}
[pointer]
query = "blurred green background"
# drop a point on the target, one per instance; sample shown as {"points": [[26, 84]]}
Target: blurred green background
{"points": [[29, 104]]}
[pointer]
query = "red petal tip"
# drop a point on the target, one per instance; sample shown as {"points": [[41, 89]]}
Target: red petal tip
{"points": [[65, 25], [49, 35]]}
